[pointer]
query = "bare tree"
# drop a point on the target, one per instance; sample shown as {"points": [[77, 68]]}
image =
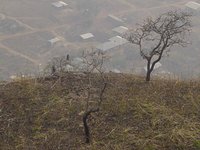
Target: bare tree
{"points": [[156, 36], [57, 67], [91, 85], [59, 64], [94, 71]]}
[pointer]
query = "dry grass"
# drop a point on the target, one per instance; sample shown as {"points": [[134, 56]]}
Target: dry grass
{"points": [[43, 114]]}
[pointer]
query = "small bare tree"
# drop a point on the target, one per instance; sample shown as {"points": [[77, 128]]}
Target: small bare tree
{"points": [[57, 67], [58, 64], [94, 71], [156, 36]]}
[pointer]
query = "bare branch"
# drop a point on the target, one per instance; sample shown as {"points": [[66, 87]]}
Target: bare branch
{"points": [[155, 36]]}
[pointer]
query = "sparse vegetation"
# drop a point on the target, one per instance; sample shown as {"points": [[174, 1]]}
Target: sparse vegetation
{"points": [[39, 114]]}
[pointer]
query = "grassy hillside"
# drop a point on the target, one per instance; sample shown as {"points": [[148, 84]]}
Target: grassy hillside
{"points": [[46, 114]]}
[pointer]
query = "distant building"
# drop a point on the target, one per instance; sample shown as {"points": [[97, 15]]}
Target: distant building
{"points": [[112, 43], [118, 39], [59, 4], [120, 29], [194, 6], [115, 18], [87, 36], [54, 40]]}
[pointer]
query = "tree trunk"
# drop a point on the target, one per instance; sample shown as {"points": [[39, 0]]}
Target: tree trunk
{"points": [[86, 128], [148, 76]]}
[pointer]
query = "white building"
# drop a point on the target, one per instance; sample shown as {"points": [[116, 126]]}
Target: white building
{"points": [[87, 36], [59, 4], [112, 43], [115, 18], [54, 40], [120, 29], [193, 5], [118, 40]]}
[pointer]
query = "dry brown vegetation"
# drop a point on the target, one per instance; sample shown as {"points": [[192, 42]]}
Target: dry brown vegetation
{"points": [[42, 114]]}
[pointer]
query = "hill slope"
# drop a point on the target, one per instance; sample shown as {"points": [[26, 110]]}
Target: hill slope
{"points": [[46, 114]]}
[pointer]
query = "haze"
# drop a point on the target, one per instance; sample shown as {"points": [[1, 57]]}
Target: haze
{"points": [[32, 32]]}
